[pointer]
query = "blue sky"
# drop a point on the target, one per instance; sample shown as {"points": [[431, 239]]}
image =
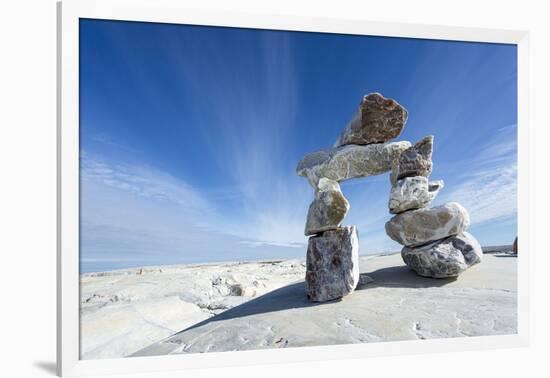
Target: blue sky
{"points": [[190, 136]]}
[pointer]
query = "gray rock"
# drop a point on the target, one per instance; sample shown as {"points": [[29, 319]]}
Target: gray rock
{"points": [[413, 193], [377, 120], [332, 264], [328, 209], [344, 163], [415, 161], [398, 306], [436, 185], [444, 258], [417, 227], [365, 280]]}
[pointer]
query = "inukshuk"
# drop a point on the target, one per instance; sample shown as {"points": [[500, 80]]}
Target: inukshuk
{"points": [[435, 240], [361, 150]]}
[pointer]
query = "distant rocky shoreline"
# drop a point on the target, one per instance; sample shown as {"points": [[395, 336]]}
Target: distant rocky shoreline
{"points": [[497, 249], [156, 267]]}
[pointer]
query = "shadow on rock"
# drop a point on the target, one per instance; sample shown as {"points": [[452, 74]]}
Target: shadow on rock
{"points": [[284, 298], [293, 296], [401, 276]]}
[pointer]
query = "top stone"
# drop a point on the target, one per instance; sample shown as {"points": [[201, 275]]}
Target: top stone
{"points": [[377, 120]]}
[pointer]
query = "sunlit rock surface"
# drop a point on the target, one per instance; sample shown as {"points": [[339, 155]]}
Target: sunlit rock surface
{"points": [[344, 163], [125, 310], [413, 193], [444, 258], [397, 305], [415, 161], [417, 227], [377, 120], [328, 209], [332, 264]]}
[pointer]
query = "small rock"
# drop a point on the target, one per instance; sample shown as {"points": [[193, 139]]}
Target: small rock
{"points": [[413, 193], [344, 163], [364, 280], [377, 120], [515, 245], [332, 264], [444, 258], [415, 161], [328, 209], [236, 290], [417, 227]]}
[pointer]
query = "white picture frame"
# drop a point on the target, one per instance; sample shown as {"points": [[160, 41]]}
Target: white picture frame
{"points": [[173, 11]]}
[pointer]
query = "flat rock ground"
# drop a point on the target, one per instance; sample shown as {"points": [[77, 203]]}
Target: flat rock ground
{"points": [[124, 311], [245, 306]]}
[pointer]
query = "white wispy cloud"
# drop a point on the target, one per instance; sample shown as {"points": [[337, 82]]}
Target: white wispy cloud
{"points": [[138, 214], [248, 136], [146, 182], [139, 209], [488, 189], [489, 194]]}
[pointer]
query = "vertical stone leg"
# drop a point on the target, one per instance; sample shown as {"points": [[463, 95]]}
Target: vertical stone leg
{"points": [[332, 264]]}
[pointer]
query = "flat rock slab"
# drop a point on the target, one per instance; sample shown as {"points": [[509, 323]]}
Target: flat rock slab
{"points": [[352, 161], [126, 310], [398, 305]]}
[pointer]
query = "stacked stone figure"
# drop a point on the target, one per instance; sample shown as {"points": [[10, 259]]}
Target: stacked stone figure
{"points": [[362, 149], [435, 240]]}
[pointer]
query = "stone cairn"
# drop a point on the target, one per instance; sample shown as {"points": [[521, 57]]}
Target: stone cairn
{"points": [[435, 241]]}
